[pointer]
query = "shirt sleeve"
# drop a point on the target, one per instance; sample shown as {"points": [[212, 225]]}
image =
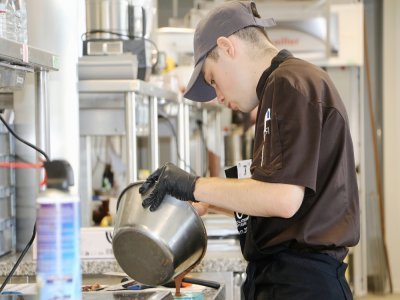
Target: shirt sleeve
{"points": [[287, 137]]}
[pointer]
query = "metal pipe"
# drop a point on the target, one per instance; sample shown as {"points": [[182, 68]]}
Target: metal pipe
{"points": [[328, 29], [85, 186], [175, 8], [186, 139], [153, 132], [131, 141], [181, 135], [42, 112]]}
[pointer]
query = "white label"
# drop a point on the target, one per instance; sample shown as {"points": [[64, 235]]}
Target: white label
{"points": [[243, 167]]}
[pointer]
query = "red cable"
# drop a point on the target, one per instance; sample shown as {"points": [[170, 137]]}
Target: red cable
{"points": [[17, 165]]}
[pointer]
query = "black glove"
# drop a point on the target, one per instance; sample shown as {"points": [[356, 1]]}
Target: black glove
{"points": [[169, 179]]}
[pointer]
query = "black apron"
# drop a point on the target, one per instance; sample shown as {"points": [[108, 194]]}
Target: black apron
{"points": [[293, 275], [282, 273]]}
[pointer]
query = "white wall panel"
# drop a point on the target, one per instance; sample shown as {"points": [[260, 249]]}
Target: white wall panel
{"points": [[53, 25]]}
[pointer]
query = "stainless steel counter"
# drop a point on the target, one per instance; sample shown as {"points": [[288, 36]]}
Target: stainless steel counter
{"points": [[222, 260], [150, 294], [20, 286]]}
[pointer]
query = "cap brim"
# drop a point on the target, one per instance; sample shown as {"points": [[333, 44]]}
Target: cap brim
{"points": [[270, 22], [198, 89]]}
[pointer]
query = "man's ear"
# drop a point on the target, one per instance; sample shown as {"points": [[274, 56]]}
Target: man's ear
{"points": [[226, 46]]}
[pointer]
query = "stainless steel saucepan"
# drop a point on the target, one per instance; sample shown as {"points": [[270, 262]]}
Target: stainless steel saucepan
{"points": [[155, 247]]}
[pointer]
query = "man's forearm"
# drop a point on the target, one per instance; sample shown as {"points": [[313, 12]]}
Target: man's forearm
{"points": [[250, 196]]}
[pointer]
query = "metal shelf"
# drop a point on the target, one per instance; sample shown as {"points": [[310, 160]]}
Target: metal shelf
{"points": [[137, 86], [28, 56], [108, 107], [40, 62]]}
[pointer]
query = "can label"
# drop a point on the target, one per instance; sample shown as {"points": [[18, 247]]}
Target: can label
{"points": [[58, 261]]}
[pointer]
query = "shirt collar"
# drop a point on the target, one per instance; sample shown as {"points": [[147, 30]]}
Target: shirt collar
{"points": [[275, 62]]}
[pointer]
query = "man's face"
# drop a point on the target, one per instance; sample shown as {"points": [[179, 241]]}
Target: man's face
{"points": [[227, 75]]}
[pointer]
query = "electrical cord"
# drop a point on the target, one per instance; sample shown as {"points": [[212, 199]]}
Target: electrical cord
{"points": [[29, 244], [22, 140], [84, 37], [19, 260], [176, 142]]}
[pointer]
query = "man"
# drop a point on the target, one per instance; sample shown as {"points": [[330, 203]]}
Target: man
{"points": [[299, 211]]}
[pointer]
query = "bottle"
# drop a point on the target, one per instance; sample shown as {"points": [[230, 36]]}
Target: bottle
{"points": [[107, 179], [24, 23], [21, 21], [58, 227], [11, 28], [3, 18]]}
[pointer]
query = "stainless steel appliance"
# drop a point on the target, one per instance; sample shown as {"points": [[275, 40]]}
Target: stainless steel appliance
{"points": [[114, 27], [124, 66], [118, 19]]}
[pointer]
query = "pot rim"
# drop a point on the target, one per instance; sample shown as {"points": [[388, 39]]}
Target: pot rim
{"points": [[126, 189], [141, 182]]}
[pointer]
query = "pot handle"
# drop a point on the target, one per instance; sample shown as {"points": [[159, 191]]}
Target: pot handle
{"points": [[127, 188], [207, 283]]}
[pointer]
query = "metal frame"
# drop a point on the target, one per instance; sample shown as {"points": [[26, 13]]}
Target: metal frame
{"points": [[29, 59], [40, 62], [122, 95]]}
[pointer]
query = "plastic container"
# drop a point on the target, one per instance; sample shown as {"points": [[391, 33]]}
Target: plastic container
{"points": [[3, 20], [58, 252], [21, 21], [11, 30], [13, 20]]}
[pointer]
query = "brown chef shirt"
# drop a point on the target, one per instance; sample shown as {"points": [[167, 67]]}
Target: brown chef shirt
{"points": [[302, 138]]}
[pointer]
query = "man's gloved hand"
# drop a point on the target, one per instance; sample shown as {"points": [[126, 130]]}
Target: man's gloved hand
{"points": [[168, 179]]}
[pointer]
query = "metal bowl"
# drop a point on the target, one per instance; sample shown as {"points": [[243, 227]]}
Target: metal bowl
{"points": [[155, 247]]}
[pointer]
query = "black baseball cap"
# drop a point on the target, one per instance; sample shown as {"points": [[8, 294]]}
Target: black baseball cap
{"points": [[224, 20]]}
